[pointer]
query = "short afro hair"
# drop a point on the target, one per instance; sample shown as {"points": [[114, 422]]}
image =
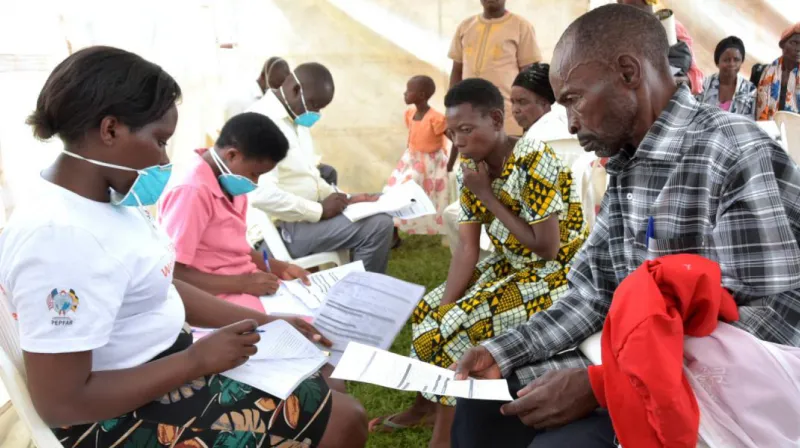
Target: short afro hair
{"points": [[479, 93], [604, 33], [255, 136]]}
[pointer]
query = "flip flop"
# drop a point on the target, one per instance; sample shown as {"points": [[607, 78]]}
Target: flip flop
{"points": [[386, 425]]}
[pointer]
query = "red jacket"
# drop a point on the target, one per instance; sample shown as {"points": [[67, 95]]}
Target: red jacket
{"points": [[641, 381]]}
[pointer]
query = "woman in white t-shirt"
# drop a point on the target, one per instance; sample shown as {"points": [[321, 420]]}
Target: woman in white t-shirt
{"points": [[88, 276]]}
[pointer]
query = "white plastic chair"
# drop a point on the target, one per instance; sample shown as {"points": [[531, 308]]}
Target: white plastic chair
{"points": [[260, 226], [589, 185], [789, 124], [12, 373]]}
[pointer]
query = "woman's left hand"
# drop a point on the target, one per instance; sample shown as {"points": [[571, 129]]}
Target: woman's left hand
{"points": [[308, 330], [293, 271], [478, 180]]}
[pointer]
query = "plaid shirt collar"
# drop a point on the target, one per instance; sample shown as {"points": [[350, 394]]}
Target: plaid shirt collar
{"points": [[663, 140]]}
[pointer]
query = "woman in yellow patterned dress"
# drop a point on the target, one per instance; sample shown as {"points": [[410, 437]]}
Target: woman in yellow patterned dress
{"points": [[524, 195]]}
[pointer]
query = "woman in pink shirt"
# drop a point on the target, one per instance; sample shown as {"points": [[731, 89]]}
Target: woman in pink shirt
{"points": [[204, 213]]}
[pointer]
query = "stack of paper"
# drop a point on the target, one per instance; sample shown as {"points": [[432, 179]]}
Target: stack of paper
{"points": [[367, 308], [371, 365], [313, 295], [285, 358], [405, 201]]}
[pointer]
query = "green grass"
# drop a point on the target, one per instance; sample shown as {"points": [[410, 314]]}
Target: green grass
{"points": [[424, 261]]}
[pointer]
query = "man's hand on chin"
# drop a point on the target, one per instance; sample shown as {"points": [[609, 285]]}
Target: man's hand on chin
{"points": [[558, 398]]}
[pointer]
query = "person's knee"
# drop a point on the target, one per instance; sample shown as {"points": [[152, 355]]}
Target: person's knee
{"points": [[379, 227], [347, 426]]}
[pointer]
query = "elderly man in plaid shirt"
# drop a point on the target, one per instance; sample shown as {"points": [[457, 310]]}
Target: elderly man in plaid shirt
{"points": [[714, 184]]}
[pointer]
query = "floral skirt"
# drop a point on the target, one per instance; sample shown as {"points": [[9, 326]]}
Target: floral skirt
{"points": [[428, 170], [213, 412]]}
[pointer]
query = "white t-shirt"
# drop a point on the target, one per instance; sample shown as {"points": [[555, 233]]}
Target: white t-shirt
{"points": [[82, 275]]}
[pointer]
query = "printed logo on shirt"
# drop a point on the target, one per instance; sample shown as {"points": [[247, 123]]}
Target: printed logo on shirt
{"points": [[62, 302]]}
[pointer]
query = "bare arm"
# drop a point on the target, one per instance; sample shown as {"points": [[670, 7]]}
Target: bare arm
{"points": [[453, 157], [81, 396], [543, 237], [456, 74], [465, 258], [206, 311], [77, 395], [212, 283]]}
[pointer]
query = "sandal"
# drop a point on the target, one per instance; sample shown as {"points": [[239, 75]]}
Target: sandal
{"points": [[386, 425]]}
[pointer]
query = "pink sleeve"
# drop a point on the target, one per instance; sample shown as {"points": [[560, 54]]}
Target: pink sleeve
{"points": [[695, 74], [184, 212]]}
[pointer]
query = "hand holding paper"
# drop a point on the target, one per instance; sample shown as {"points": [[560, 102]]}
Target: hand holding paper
{"points": [[406, 201], [314, 294], [284, 359], [368, 308], [371, 365]]}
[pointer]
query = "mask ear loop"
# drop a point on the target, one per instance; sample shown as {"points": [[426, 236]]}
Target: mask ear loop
{"points": [[302, 93], [220, 163]]}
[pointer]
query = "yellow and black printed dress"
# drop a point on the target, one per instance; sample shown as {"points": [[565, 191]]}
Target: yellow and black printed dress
{"points": [[512, 283]]}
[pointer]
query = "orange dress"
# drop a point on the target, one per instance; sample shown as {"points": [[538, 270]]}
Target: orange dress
{"points": [[424, 162]]}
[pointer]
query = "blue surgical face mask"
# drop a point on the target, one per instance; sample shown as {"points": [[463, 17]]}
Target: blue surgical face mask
{"points": [[147, 187], [307, 118], [234, 184]]}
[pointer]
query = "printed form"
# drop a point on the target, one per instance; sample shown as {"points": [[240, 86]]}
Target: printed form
{"points": [[313, 295], [367, 308], [284, 359], [375, 366], [404, 201]]}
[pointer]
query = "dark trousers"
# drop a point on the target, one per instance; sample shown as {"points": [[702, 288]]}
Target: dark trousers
{"points": [[479, 424]]}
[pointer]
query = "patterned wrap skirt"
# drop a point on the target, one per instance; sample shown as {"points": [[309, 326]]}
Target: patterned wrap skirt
{"points": [[213, 412]]}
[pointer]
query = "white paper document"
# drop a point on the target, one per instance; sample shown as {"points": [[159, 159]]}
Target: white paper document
{"points": [[405, 201], [375, 366], [313, 295], [367, 308], [284, 303], [284, 359]]}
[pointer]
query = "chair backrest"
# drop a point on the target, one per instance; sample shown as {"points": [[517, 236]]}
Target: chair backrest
{"points": [[9, 336], [260, 226], [12, 375], [582, 178], [789, 124]]}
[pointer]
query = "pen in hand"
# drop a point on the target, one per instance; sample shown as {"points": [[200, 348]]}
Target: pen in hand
{"points": [[266, 260]]}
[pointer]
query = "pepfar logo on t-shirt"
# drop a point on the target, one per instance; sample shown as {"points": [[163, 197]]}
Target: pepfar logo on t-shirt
{"points": [[62, 302]]}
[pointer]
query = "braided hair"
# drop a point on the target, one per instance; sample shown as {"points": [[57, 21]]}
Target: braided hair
{"points": [[536, 78]]}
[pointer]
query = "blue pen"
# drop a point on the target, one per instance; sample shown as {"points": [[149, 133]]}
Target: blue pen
{"points": [[266, 260], [650, 234]]}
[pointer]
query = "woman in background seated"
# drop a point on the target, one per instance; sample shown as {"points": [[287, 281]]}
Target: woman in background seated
{"points": [[534, 104], [524, 195], [728, 89], [779, 88], [101, 321], [204, 212]]}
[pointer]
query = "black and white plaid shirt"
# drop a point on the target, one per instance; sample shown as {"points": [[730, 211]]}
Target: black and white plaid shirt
{"points": [[716, 186]]}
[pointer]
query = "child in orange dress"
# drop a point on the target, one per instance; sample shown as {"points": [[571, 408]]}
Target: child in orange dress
{"points": [[425, 159]]}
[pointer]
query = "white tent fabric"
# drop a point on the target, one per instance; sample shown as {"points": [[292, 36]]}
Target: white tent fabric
{"points": [[371, 46]]}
